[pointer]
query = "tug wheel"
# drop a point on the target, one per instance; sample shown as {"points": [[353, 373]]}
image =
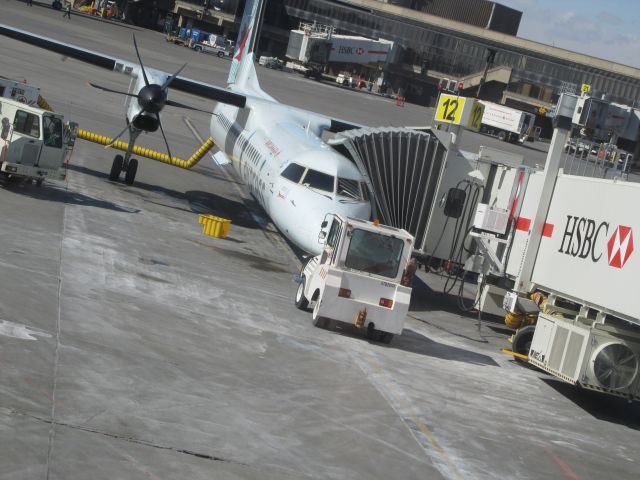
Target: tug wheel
{"points": [[301, 301]]}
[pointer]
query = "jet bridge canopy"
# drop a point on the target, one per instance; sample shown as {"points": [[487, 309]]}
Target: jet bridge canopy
{"points": [[405, 171]]}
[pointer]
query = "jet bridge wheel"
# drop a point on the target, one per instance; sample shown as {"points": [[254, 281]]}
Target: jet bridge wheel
{"points": [[522, 340], [301, 301], [132, 168], [116, 168]]}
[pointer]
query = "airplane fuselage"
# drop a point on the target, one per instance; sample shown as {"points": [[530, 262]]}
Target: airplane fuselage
{"points": [[295, 176]]}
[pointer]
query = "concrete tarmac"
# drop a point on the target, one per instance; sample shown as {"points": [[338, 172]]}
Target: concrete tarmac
{"points": [[132, 346]]}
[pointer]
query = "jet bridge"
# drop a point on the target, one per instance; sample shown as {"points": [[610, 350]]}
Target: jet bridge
{"points": [[419, 181]]}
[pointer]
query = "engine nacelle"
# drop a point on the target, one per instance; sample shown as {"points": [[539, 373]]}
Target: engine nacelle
{"points": [[145, 122]]}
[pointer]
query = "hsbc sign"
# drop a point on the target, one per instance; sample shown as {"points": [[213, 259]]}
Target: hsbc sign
{"points": [[590, 240], [589, 246]]}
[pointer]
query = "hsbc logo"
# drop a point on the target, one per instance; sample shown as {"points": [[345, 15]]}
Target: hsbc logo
{"points": [[620, 246], [345, 50], [585, 238]]}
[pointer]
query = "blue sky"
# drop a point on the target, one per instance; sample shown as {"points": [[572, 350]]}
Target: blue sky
{"points": [[605, 29]]}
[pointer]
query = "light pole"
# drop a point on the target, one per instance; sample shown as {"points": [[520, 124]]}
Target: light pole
{"points": [[491, 56]]}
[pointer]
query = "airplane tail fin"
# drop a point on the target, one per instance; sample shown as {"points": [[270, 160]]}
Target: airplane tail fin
{"points": [[242, 71]]}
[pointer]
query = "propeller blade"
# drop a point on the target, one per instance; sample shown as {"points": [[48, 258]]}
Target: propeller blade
{"points": [[163, 136], [115, 139], [170, 79], [111, 90], [182, 105], [144, 74]]}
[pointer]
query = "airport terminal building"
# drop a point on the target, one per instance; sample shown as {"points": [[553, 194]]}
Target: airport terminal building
{"points": [[456, 39]]}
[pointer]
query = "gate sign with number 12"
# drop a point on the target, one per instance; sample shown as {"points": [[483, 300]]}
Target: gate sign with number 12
{"points": [[475, 118], [459, 111], [450, 108]]}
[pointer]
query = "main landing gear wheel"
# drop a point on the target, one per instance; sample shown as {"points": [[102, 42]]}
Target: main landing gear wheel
{"points": [[116, 168], [301, 301], [132, 168]]}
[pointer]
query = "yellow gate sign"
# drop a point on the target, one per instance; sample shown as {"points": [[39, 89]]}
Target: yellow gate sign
{"points": [[475, 117], [585, 87], [459, 111], [450, 108]]}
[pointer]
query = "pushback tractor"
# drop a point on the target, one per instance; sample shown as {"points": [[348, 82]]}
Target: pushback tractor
{"points": [[358, 278]]}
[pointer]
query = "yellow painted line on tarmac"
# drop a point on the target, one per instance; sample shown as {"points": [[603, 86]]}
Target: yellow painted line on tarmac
{"points": [[431, 437]]}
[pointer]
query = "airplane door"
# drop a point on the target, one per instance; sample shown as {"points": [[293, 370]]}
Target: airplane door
{"points": [[52, 152]]}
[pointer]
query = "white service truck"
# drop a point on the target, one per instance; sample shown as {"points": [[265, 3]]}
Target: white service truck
{"points": [[19, 91], [559, 251], [34, 143], [358, 278], [506, 123]]}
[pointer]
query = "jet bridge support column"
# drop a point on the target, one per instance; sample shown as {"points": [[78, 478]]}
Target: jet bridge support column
{"points": [[562, 126]]}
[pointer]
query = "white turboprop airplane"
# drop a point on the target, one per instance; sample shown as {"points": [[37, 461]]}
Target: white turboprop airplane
{"points": [[277, 150]]}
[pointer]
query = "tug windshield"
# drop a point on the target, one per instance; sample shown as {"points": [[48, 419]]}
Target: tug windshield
{"points": [[374, 253]]}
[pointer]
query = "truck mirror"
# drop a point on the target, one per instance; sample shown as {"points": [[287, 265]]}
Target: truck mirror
{"points": [[321, 236], [454, 204], [324, 224]]}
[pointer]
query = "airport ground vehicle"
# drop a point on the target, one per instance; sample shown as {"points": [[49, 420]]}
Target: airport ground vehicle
{"points": [[506, 123], [271, 62], [357, 278], [220, 51], [19, 91], [178, 38], [33, 142]]}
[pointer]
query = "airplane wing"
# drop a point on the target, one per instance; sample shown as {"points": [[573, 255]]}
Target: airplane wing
{"points": [[128, 68], [182, 84]]}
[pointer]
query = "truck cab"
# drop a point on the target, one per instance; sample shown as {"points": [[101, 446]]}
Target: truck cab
{"points": [[358, 277], [33, 142]]}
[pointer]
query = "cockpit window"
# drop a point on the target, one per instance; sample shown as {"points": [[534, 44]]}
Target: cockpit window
{"points": [[349, 188], [293, 172], [319, 180]]}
